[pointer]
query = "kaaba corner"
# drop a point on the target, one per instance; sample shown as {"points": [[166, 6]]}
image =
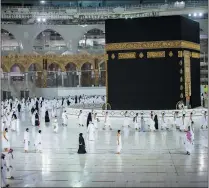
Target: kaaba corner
{"points": [[152, 63]]}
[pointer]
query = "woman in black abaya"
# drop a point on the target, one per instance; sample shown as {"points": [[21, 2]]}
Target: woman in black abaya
{"points": [[82, 149], [156, 122], [89, 119], [47, 120]]}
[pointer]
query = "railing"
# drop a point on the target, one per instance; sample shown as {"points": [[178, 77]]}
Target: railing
{"points": [[61, 13], [85, 78]]}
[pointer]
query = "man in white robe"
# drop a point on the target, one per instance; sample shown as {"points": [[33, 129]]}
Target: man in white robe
{"points": [[26, 140], [91, 131], [55, 124], [204, 120], [64, 118], [183, 123], [38, 142], [81, 119], [9, 162], [3, 171]]}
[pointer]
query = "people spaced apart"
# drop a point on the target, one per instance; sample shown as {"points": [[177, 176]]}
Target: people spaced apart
{"points": [[91, 131], [188, 141], [38, 142], [136, 122], [81, 119], [64, 118], [55, 124], [5, 140], [26, 140], [204, 120], [3, 171], [9, 162], [119, 142], [107, 121]]}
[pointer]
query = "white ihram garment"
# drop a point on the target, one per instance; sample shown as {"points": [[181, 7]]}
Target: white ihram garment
{"points": [[38, 143], [64, 118], [91, 131], [152, 124], [205, 121], [26, 140], [5, 143], [55, 125], [136, 123], [119, 145], [126, 122], [80, 119]]}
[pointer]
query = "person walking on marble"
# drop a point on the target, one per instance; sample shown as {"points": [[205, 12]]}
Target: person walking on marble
{"points": [[38, 142], [91, 131], [81, 119], [136, 122], [64, 118], [26, 140], [3, 171], [107, 121], [5, 140], [119, 142], [9, 162], [204, 120], [55, 124], [188, 141]]}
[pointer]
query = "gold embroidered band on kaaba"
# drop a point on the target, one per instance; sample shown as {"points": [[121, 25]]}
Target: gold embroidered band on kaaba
{"points": [[152, 45]]}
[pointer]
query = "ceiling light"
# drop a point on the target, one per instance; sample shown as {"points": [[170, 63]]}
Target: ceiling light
{"points": [[190, 15], [200, 14], [38, 19], [42, 2], [43, 19], [195, 14]]}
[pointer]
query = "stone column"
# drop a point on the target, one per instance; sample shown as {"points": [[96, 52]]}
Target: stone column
{"points": [[62, 79], [8, 79], [26, 80], [79, 78]]}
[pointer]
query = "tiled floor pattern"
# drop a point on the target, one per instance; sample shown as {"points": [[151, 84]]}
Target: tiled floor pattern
{"points": [[148, 159]]}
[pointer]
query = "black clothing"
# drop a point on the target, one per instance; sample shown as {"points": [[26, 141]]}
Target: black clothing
{"points": [[81, 149], [32, 110], [47, 117], [156, 122], [37, 105], [68, 102], [36, 120], [76, 100], [89, 118], [19, 107]]}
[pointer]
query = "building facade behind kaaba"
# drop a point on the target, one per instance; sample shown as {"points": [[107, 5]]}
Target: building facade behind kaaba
{"points": [[152, 63]]}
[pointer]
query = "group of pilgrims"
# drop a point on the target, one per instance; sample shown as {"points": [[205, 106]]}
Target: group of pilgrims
{"points": [[50, 110], [141, 123]]}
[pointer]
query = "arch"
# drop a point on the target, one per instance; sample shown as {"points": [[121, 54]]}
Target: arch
{"points": [[17, 67], [86, 66], [9, 42], [34, 67], [54, 67], [93, 39], [87, 75], [71, 67], [4, 68], [49, 40], [102, 65]]}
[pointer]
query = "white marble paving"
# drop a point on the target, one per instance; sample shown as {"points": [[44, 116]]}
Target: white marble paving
{"points": [[148, 159]]}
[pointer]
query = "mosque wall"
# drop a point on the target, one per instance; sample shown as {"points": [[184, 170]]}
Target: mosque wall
{"points": [[64, 92], [26, 34]]}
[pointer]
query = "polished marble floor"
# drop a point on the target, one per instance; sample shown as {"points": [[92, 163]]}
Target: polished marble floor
{"points": [[148, 159]]}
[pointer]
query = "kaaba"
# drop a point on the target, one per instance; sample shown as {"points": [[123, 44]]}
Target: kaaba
{"points": [[152, 63]]}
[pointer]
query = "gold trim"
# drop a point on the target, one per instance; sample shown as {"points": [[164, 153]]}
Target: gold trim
{"points": [[141, 55], [156, 54], [170, 54], [152, 45], [187, 73], [195, 55], [180, 54], [131, 55], [113, 56]]}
